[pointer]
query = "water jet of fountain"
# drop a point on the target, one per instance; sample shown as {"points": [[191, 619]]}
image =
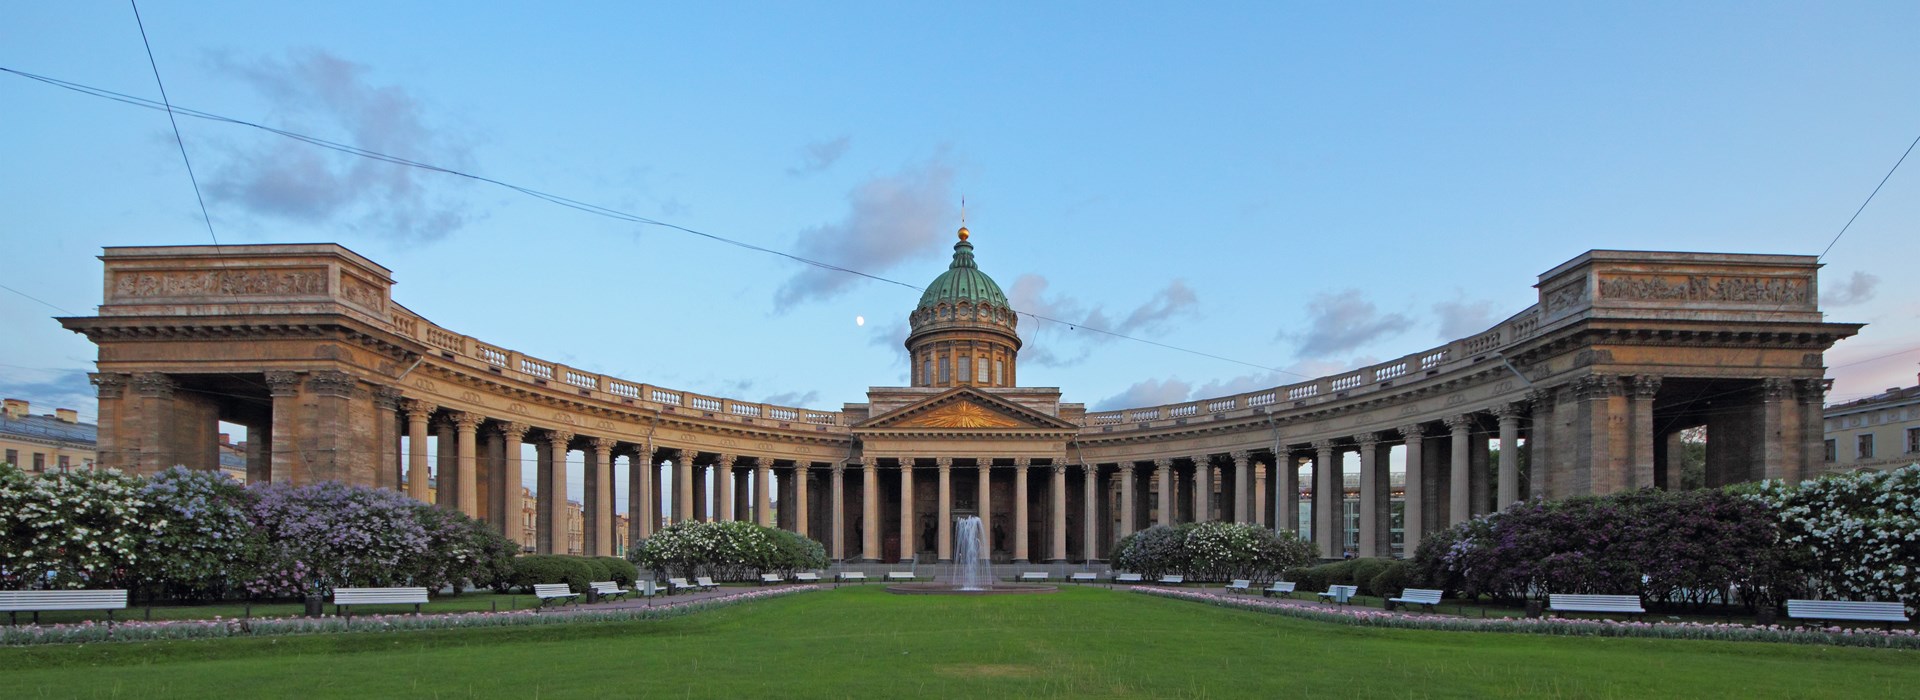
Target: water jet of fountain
{"points": [[971, 570]]}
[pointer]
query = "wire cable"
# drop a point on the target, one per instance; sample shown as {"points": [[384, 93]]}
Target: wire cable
{"points": [[176, 124], [38, 299], [1863, 205], [578, 205]]}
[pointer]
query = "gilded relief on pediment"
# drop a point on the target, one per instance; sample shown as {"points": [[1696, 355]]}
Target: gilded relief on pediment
{"points": [[960, 415]]}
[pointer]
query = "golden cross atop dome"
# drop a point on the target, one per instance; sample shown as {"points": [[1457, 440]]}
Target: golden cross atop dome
{"points": [[963, 218]]}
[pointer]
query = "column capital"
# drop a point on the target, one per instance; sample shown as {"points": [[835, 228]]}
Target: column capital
{"points": [[838, 467], [1125, 467], [1412, 432], [1511, 410], [1059, 466], [417, 409], [1202, 460], [387, 398], [1022, 462], [332, 382], [282, 382], [1163, 463], [108, 385], [725, 461], [560, 438], [466, 421], [1368, 440], [159, 385], [944, 463], [1776, 388], [1596, 387], [1323, 445], [801, 466], [689, 455], [1541, 396], [513, 432], [869, 465], [1812, 391], [1458, 423], [1238, 456], [603, 445], [1089, 469]]}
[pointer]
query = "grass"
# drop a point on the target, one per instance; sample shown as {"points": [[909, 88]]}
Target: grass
{"points": [[864, 642]]}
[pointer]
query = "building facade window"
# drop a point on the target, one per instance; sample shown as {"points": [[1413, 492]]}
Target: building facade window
{"points": [[39, 462], [1913, 440], [980, 369], [1863, 449], [946, 369], [13, 457], [966, 370], [999, 373], [1833, 451], [63, 463]]}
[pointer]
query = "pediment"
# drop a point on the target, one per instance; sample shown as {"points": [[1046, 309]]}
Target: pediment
{"points": [[966, 409]]}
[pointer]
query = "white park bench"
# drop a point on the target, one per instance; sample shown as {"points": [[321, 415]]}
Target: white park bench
{"points": [[772, 578], [1239, 585], [345, 598], [676, 585], [608, 589], [806, 577], [1084, 577], [16, 602], [1849, 610], [1127, 578], [705, 583], [1338, 593], [1416, 596], [1173, 579], [851, 577], [1284, 588], [553, 592], [646, 589], [1595, 603], [1033, 576], [899, 576]]}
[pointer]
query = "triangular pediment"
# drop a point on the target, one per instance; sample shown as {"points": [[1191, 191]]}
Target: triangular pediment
{"points": [[965, 409]]}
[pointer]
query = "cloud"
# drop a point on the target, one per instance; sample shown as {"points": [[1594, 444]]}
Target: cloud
{"points": [[891, 335], [1858, 289], [1059, 344], [1343, 321], [1151, 392], [318, 92], [51, 389], [1461, 318], [820, 155], [794, 398], [890, 219]]}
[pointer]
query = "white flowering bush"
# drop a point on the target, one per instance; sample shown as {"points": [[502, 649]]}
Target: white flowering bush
{"points": [[1212, 551], [78, 529], [1860, 533], [727, 551]]}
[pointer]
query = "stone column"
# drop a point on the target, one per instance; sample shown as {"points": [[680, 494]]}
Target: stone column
{"points": [[1058, 552], [1241, 480], [839, 500], [417, 414], [1540, 442], [1600, 452], [467, 477], [1328, 493], [986, 509], [1202, 488], [723, 488], [1090, 512], [639, 496], [554, 492], [1509, 488], [1458, 496], [1259, 496], [1370, 470], [513, 475], [1415, 508], [1020, 513], [1163, 469], [909, 545], [801, 515], [763, 492], [945, 545], [1286, 492], [447, 486], [870, 511], [601, 514], [386, 419], [1129, 519], [683, 485], [1810, 395]]}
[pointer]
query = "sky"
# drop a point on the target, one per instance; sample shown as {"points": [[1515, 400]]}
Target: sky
{"points": [[1299, 188]]}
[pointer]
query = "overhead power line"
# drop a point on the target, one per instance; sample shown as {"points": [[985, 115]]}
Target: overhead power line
{"points": [[570, 203], [1863, 205], [168, 104]]}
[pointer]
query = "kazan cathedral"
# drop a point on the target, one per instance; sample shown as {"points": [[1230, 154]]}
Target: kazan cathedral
{"points": [[1584, 392]]}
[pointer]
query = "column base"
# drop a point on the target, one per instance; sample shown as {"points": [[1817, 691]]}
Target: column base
{"points": [[1020, 561]]}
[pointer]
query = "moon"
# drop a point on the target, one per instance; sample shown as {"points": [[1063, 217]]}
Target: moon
{"points": [[859, 320]]}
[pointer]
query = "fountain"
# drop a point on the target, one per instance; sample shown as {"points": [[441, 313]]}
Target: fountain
{"points": [[972, 570]]}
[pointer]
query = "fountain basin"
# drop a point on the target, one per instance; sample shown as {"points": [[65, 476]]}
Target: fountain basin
{"points": [[950, 589]]}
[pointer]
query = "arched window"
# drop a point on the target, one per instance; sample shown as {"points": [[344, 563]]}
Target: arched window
{"points": [[946, 370], [999, 373], [980, 371], [966, 371]]}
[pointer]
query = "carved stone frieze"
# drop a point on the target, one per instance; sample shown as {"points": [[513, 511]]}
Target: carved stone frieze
{"points": [[1708, 288], [220, 283]]}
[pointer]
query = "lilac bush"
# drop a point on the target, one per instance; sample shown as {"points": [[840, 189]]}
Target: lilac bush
{"points": [[78, 529], [209, 545], [1213, 551], [1858, 534]]}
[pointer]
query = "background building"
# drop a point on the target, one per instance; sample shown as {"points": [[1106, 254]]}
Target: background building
{"points": [[1877, 432], [55, 441]]}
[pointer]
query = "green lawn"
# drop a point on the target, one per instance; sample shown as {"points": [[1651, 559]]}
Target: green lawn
{"points": [[864, 642]]}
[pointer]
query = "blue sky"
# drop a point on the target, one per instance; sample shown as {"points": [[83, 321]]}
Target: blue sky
{"points": [[1306, 187]]}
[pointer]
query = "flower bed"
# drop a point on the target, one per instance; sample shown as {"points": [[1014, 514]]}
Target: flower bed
{"points": [[1837, 636], [89, 632]]}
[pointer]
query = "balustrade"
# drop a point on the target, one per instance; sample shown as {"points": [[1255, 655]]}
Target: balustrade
{"points": [[584, 381], [536, 368]]}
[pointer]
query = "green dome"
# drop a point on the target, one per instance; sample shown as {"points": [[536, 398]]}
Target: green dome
{"points": [[963, 282]]}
